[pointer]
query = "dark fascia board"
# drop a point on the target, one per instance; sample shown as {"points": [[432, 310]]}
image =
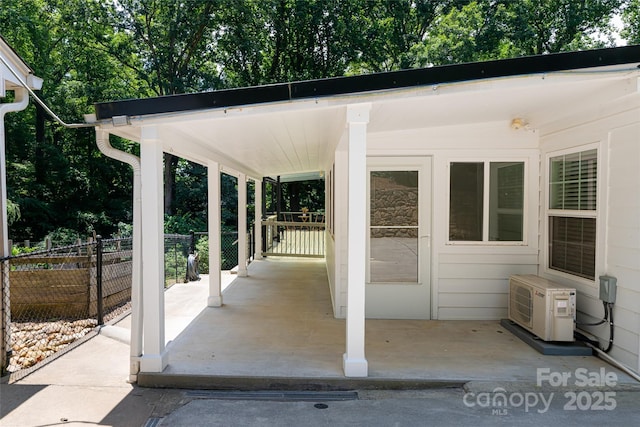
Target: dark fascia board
{"points": [[193, 101], [371, 82]]}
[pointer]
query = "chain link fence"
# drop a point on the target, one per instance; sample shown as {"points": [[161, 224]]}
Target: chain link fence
{"points": [[176, 251], [54, 299], [228, 249]]}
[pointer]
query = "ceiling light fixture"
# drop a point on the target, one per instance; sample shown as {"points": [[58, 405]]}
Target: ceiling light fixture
{"points": [[518, 123]]}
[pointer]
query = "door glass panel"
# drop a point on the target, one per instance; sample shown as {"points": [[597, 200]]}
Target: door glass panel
{"points": [[394, 226]]}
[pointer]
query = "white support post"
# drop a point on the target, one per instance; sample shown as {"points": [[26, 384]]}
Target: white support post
{"points": [[215, 290], [154, 357], [257, 235], [242, 225], [354, 361]]}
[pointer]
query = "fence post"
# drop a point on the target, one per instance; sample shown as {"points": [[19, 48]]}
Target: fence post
{"points": [[5, 318], [99, 280]]}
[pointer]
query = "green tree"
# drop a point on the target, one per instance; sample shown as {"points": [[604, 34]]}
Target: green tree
{"points": [[483, 30], [475, 31], [545, 26], [56, 175], [283, 40], [168, 45], [631, 20], [392, 28]]}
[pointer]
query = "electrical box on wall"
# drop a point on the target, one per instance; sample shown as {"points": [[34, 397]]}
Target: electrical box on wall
{"points": [[608, 286]]}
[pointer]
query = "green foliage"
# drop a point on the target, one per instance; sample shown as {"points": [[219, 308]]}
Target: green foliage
{"points": [[202, 248], [183, 224], [544, 26], [229, 202], [64, 237], [19, 250], [56, 175], [125, 230], [483, 30], [13, 212], [631, 22], [303, 194]]}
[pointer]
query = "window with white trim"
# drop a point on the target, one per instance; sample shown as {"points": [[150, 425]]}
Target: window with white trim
{"points": [[573, 180], [486, 201]]}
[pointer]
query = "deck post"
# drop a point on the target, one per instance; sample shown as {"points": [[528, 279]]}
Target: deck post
{"points": [[258, 220], [242, 225], [154, 357], [214, 219], [354, 361]]}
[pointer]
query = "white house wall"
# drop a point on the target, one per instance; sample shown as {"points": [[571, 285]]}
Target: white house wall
{"points": [[617, 137], [468, 281], [337, 257]]}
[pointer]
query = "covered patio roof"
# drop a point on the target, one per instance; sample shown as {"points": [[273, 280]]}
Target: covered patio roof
{"points": [[304, 127], [294, 127]]}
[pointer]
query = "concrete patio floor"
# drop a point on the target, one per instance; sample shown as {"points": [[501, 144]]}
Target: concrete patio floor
{"points": [[276, 329]]}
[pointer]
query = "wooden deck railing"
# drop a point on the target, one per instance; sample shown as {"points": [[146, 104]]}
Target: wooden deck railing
{"points": [[295, 239]]}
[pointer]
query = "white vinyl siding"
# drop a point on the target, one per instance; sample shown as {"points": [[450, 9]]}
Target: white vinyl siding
{"points": [[623, 241], [476, 285], [617, 139]]}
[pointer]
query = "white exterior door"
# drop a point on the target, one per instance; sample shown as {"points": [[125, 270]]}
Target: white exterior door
{"points": [[398, 238]]}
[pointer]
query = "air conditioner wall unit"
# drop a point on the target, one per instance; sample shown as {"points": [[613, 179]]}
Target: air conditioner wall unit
{"points": [[542, 307]]}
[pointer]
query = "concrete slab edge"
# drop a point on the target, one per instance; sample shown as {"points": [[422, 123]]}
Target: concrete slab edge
{"points": [[237, 383]]}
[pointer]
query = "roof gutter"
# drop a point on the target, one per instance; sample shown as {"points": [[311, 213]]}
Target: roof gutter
{"points": [[135, 349], [41, 102]]}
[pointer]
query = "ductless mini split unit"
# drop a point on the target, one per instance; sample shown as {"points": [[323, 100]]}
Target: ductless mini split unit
{"points": [[542, 307]]}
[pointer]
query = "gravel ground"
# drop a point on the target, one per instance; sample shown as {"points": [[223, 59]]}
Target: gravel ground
{"points": [[33, 342]]}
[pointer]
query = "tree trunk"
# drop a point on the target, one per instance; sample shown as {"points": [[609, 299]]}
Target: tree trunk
{"points": [[40, 167], [170, 164]]}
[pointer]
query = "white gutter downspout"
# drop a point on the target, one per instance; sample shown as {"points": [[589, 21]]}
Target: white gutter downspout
{"points": [[21, 102], [102, 140]]}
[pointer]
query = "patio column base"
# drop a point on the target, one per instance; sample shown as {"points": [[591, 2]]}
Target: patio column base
{"points": [[154, 362], [355, 367], [214, 301], [243, 272]]}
